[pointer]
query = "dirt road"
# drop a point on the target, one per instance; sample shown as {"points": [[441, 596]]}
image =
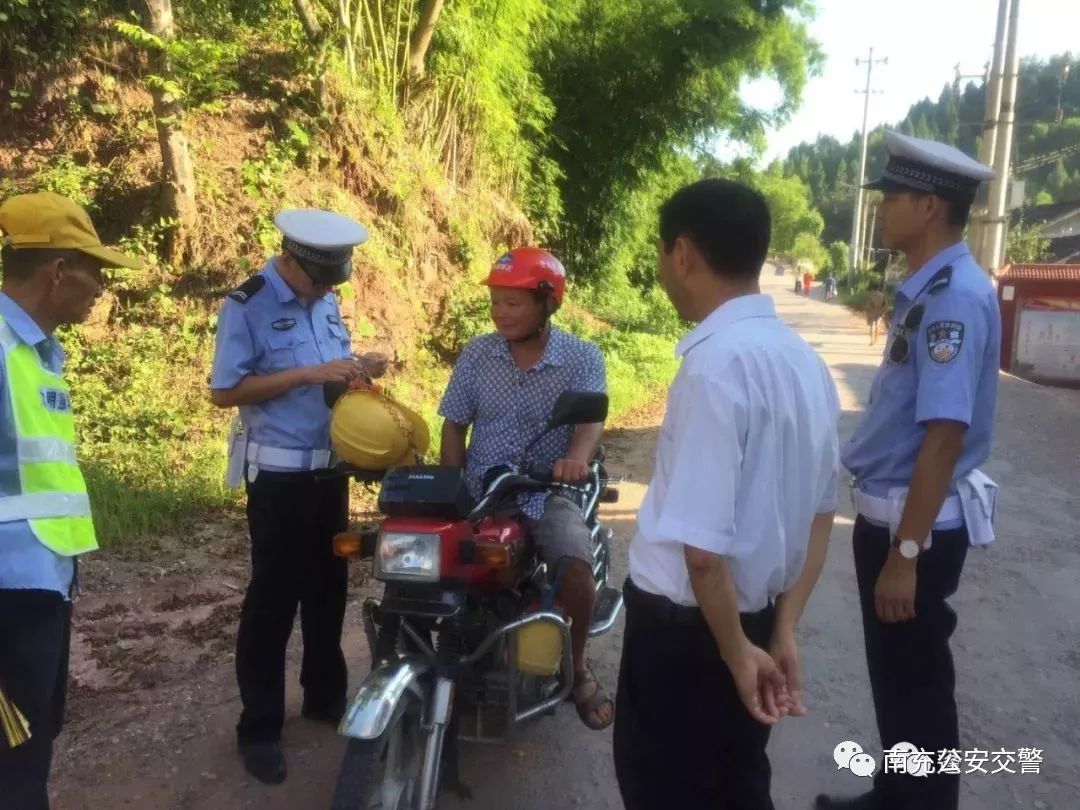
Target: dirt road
{"points": [[154, 702]]}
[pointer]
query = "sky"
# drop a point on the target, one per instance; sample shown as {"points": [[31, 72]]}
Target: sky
{"points": [[923, 40]]}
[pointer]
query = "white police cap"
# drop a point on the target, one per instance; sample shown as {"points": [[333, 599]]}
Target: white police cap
{"points": [[930, 167], [321, 241]]}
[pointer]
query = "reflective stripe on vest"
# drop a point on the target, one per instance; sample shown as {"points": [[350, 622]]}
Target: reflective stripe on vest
{"points": [[52, 497], [43, 505]]}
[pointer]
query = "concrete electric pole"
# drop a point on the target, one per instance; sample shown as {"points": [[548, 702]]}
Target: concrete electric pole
{"points": [[997, 222], [856, 220], [988, 139]]}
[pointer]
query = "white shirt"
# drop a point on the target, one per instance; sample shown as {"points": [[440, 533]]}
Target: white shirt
{"points": [[748, 454]]}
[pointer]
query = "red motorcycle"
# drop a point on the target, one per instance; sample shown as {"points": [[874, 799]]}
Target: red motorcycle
{"points": [[468, 641]]}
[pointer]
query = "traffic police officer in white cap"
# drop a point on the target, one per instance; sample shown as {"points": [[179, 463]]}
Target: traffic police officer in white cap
{"points": [[279, 339], [920, 496]]}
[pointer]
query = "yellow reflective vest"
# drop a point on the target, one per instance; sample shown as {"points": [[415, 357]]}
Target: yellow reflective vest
{"points": [[52, 495]]}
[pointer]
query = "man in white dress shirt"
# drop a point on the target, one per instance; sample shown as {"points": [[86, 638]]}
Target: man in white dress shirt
{"points": [[733, 532]]}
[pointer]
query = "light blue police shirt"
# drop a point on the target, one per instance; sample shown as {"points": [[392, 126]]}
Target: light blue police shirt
{"points": [[951, 373], [271, 331], [508, 406], [24, 561]]}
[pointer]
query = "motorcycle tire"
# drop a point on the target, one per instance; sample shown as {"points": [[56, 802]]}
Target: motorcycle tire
{"points": [[358, 784]]}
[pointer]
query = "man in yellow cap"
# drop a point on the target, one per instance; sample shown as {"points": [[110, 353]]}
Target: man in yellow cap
{"points": [[52, 262]]}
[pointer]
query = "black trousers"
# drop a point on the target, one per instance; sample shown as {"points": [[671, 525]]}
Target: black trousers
{"points": [[293, 518], [910, 664], [683, 738], [35, 635]]}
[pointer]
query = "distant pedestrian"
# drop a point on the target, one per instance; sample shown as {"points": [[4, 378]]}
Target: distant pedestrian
{"points": [[830, 286], [875, 310], [798, 285], [807, 280]]}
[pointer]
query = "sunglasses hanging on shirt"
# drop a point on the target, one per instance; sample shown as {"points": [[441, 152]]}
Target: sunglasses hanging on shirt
{"points": [[900, 347]]}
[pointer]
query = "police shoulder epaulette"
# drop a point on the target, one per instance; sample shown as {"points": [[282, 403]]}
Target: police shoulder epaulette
{"points": [[942, 279], [248, 289]]}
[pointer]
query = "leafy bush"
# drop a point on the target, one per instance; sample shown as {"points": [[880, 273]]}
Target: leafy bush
{"points": [[204, 69], [151, 443], [838, 259]]}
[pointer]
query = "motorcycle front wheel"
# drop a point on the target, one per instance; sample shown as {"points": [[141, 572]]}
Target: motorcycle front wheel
{"points": [[384, 773]]}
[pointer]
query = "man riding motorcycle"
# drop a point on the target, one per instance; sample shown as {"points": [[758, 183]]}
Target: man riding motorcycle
{"points": [[504, 386]]}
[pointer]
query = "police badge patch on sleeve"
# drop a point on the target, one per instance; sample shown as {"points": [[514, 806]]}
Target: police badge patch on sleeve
{"points": [[944, 339]]}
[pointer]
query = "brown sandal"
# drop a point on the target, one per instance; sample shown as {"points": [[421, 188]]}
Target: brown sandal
{"points": [[588, 706]]}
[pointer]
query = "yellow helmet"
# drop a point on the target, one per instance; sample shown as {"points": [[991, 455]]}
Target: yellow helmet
{"points": [[373, 432]]}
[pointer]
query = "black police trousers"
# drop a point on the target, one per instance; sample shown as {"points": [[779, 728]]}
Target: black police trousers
{"points": [[683, 739], [911, 667], [293, 518], [35, 634]]}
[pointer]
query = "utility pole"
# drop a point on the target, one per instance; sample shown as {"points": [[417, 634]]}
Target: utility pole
{"points": [[997, 222], [867, 244], [1061, 86], [988, 139], [856, 220]]}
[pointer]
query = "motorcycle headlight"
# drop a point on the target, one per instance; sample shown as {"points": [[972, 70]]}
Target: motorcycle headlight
{"points": [[407, 556]]}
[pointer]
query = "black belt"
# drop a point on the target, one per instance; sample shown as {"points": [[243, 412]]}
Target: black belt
{"points": [[662, 610], [659, 608]]}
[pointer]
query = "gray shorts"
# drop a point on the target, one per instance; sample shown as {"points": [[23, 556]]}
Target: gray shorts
{"points": [[561, 532]]}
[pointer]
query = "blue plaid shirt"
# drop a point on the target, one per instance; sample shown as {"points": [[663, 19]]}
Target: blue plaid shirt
{"points": [[508, 406]]}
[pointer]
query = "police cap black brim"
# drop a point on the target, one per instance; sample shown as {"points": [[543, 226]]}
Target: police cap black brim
{"points": [[887, 185], [329, 275]]}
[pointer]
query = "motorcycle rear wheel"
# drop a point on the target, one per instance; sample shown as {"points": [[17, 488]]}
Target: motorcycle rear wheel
{"points": [[384, 773]]}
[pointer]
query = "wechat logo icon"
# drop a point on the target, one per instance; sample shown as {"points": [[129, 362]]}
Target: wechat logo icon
{"points": [[850, 755]]}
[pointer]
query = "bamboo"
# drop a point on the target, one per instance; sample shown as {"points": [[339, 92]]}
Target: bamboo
{"points": [[401, 49], [385, 44], [356, 31], [344, 19], [374, 47]]}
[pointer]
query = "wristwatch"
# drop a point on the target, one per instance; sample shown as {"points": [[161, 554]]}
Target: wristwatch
{"points": [[909, 549]]}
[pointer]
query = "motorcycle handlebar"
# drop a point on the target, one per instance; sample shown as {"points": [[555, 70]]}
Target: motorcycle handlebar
{"points": [[540, 473]]}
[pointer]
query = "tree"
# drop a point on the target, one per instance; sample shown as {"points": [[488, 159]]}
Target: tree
{"points": [[948, 115], [309, 21], [421, 38], [1038, 133], [1058, 181], [1026, 245], [789, 206], [808, 248], [838, 259], [635, 80], [178, 188]]}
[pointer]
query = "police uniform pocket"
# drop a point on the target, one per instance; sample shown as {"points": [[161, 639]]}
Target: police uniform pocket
{"points": [[287, 350], [338, 336]]}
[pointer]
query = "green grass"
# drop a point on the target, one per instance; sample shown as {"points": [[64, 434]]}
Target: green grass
{"points": [[130, 513]]}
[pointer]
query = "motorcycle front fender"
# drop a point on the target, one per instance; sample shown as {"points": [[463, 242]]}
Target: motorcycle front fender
{"points": [[373, 705]]}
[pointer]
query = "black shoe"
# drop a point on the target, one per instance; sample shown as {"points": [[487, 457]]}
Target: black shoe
{"points": [[866, 801], [321, 714], [264, 761]]}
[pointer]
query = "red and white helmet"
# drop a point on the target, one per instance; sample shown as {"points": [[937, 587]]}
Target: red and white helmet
{"points": [[529, 268]]}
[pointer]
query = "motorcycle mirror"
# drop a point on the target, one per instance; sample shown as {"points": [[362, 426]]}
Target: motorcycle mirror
{"points": [[572, 408], [578, 408]]}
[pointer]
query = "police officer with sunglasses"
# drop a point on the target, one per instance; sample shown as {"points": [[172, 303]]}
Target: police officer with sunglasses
{"points": [[920, 498]]}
